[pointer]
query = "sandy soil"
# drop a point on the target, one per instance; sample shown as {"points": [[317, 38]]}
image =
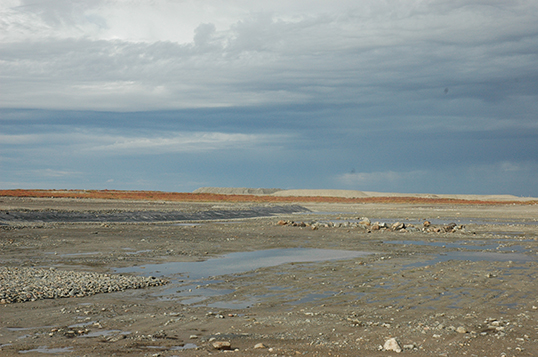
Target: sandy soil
{"points": [[468, 292]]}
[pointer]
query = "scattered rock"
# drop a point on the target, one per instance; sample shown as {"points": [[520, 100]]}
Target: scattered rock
{"points": [[368, 226], [260, 346], [461, 329], [222, 345], [449, 227], [397, 226], [392, 345], [298, 224]]}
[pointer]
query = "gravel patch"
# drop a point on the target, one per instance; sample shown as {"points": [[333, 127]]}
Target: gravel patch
{"points": [[20, 284]]}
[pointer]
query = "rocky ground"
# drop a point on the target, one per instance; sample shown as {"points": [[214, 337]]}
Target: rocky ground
{"points": [[255, 279]]}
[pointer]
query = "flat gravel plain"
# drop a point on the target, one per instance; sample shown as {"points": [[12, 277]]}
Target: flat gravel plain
{"points": [[427, 279]]}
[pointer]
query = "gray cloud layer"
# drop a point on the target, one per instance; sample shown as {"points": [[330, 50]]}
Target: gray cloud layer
{"points": [[403, 92], [368, 55]]}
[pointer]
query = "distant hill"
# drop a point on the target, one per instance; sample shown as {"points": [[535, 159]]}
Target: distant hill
{"points": [[237, 190], [349, 194]]}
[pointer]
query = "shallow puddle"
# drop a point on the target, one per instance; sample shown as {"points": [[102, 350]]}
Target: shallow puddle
{"points": [[186, 346], [45, 349], [82, 324], [139, 252], [234, 263], [104, 333], [234, 304], [475, 257], [509, 234], [26, 328], [501, 246], [191, 280]]}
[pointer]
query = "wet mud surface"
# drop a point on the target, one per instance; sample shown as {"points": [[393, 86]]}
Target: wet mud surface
{"points": [[236, 275], [50, 215]]}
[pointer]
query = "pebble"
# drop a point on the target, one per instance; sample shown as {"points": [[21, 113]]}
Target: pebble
{"points": [[392, 345], [222, 345], [21, 284]]}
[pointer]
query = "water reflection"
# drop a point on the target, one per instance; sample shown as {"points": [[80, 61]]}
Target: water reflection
{"points": [[191, 280]]}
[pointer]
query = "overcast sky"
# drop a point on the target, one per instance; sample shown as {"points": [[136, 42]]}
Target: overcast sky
{"points": [[436, 96]]}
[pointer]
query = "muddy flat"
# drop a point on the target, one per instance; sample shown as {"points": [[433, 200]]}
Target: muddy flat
{"points": [[271, 278]]}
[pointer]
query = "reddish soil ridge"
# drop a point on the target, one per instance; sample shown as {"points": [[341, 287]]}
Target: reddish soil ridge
{"points": [[209, 197]]}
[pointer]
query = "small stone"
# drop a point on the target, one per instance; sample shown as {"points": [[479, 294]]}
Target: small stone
{"points": [[282, 223], [449, 227], [392, 345], [222, 345], [461, 329], [397, 226], [259, 346], [427, 224], [116, 338], [193, 337]]}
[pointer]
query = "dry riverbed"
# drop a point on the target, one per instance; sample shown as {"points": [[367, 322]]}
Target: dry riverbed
{"points": [[264, 279]]}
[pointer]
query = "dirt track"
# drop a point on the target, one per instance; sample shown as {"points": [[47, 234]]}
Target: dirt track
{"points": [[468, 292]]}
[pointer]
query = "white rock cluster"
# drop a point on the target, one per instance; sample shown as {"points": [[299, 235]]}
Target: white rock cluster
{"points": [[20, 284]]}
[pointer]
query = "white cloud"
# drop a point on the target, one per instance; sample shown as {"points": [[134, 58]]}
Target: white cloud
{"points": [[185, 142], [51, 173], [86, 142], [504, 168]]}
